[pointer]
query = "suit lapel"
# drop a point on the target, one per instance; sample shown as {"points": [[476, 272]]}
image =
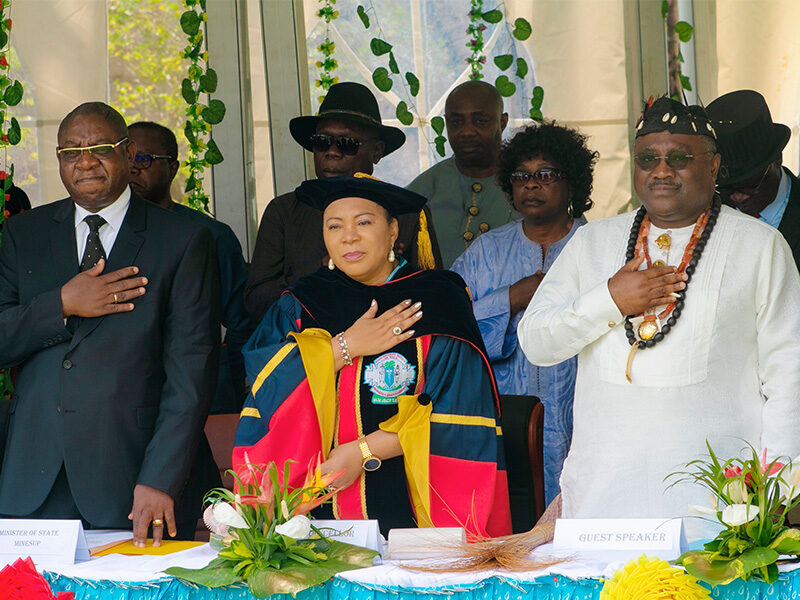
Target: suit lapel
{"points": [[126, 248], [62, 242], [790, 223]]}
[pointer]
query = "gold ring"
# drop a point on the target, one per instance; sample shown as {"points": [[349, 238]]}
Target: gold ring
{"points": [[158, 523], [115, 298], [397, 330]]}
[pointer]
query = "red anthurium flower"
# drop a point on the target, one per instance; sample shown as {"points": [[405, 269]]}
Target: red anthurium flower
{"points": [[3, 61], [731, 472], [8, 24]]}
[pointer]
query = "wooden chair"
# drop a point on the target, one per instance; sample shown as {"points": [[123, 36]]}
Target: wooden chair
{"points": [[522, 421]]}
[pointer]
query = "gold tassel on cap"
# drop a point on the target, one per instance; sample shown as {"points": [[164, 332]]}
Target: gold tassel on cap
{"points": [[424, 246]]}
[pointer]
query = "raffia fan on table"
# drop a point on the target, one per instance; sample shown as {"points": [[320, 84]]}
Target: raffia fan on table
{"points": [[750, 497], [264, 537]]}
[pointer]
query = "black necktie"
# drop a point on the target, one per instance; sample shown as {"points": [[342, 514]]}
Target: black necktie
{"points": [[94, 249]]}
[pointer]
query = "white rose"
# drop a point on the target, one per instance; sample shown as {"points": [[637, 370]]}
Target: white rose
{"points": [[225, 513], [298, 527], [739, 514]]}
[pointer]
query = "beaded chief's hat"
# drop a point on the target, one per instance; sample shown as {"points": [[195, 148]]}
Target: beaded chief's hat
{"points": [[666, 114]]}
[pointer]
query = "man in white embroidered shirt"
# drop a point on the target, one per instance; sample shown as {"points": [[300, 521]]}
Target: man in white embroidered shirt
{"points": [[684, 316]]}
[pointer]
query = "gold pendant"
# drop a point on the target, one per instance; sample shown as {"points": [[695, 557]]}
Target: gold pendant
{"points": [[647, 330], [663, 241], [659, 263]]}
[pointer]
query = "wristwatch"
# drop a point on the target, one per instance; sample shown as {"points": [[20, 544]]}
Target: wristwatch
{"points": [[370, 462]]}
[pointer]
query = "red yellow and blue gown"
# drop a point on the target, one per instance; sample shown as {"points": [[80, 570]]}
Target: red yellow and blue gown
{"points": [[436, 391]]}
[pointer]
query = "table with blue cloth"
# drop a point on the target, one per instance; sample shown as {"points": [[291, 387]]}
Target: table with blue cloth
{"points": [[117, 577]]}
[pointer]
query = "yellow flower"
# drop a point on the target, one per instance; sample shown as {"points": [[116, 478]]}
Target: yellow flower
{"points": [[652, 579]]}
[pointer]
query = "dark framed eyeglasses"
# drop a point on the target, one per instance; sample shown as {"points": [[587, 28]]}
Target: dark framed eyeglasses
{"points": [[676, 159], [348, 146], [97, 151], [143, 161], [544, 176]]}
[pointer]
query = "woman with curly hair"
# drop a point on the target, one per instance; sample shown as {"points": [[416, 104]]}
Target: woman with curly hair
{"points": [[546, 172]]}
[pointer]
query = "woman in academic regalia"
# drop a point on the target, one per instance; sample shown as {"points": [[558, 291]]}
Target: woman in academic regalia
{"points": [[382, 370]]}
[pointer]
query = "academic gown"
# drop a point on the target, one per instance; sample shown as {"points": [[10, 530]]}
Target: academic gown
{"points": [[435, 391]]}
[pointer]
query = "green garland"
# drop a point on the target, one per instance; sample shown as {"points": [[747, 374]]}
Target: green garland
{"points": [[684, 31], [475, 29], [11, 92], [328, 64], [200, 79]]}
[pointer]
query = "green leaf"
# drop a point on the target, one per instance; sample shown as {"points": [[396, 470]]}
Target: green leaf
{"points": [[213, 155], [14, 132], [191, 183], [381, 79], [684, 31], [13, 94], [756, 558], [492, 16], [504, 86], [362, 14], [715, 572], [664, 8], [503, 61], [190, 22], [214, 112], [536, 115], [202, 4], [393, 64], [213, 577], [685, 83], [438, 125], [208, 81], [787, 542], [3, 38], [187, 91], [522, 29], [379, 47], [189, 133], [403, 114], [439, 141], [413, 83], [537, 97], [522, 68]]}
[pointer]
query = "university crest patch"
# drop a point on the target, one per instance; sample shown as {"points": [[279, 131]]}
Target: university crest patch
{"points": [[389, 376]]}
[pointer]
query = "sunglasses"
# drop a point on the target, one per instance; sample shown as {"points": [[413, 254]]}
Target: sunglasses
{"points": [[348, 146], [647, 161], [745, 187], [143, 161], [542, 176], [99, 151]]}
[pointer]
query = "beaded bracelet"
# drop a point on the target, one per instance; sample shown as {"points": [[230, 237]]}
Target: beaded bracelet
{"points": [[345, 353]]}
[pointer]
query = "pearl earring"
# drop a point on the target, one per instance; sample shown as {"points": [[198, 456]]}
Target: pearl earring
{"points": [[331, 266], [391, 255]]}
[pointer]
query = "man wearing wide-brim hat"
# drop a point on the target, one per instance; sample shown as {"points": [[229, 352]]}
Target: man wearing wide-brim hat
{"points": [[346, 136], [751, 177]]}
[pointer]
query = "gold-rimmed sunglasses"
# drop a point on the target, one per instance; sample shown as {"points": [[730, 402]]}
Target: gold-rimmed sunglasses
{"points": [[97, 151]]}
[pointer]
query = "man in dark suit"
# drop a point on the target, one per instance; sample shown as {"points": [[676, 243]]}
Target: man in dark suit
{"points": [[154, 167], [752, 177], [108, 306]]}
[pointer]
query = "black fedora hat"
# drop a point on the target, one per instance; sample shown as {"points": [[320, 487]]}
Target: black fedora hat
{"points": [[348, 101], [747, 138]]}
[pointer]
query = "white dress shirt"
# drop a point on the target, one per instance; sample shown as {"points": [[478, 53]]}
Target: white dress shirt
{"points": [[728, 372], [113, 214]]}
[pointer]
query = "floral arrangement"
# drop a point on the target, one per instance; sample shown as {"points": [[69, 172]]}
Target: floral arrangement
{"points": [[654, 579], [200, 79], [21, 581], [750, 498], [264, 537]]}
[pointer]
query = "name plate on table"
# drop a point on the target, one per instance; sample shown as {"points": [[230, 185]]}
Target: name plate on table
{"points": [[659, 537], [44, 540], [358, 533]]}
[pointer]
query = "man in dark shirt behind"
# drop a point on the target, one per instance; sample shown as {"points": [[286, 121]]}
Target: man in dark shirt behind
{"points": [[154, 167], [346, 137]]}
